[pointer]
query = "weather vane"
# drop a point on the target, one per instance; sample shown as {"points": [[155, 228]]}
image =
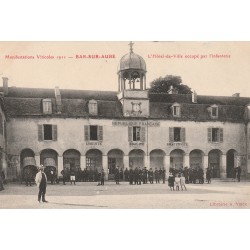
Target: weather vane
{"points": [[131, 46]]}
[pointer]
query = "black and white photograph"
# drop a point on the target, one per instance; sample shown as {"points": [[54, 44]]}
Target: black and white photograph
{"points": [[92, 125]]}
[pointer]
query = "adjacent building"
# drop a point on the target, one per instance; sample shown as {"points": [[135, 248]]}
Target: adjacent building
{"points": [[130, 128]]}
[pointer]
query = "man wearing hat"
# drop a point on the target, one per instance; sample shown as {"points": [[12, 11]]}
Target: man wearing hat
{"points": [[41, 182]]}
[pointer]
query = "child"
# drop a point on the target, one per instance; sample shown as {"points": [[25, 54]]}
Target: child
{"points": [[171, 181], [177, 182], [182, 182]]}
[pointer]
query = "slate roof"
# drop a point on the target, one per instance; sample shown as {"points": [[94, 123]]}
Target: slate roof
{"points": [[28, 102]]}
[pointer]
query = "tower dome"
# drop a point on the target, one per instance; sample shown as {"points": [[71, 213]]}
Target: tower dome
{"points": [[131, 71], [132, 61]]}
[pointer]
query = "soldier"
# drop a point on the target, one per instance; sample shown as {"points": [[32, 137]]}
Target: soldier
{"points": [[144, 176], [163, 175], [186, 174], [117, 175], [131, 176], [200, 175], [72, 176], [139, 176], [64, 175], [135, 176], [28, 176], [208, 176], [151, 176], [160, 175], [157, 179], [171, 181], [2, 177], [52, 176], [126, 174], [121, 174], [238, 173], [102, 177]]}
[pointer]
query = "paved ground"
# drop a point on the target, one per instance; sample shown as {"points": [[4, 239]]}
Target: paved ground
{"points": [[88, 195]]}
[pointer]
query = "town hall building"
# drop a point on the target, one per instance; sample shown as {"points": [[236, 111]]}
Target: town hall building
{"points": [[77, 129]]}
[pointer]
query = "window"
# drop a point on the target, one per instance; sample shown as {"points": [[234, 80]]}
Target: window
{"points": [[47, 106], [47, 132], [93, 133], [215, 134], [136, 133], [47, 129], [214, 111], [93, 107], [177, 134], [90, 163], [176, 110]]}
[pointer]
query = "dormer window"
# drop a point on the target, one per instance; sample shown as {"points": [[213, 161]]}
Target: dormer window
{"points": [[47, 106], [214, 111], [93, 109], [176, 110]]}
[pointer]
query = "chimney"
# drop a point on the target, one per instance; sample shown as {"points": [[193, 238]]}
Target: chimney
{"points": [[5, 86], [58, 100], [194, 97], [236, 95]]}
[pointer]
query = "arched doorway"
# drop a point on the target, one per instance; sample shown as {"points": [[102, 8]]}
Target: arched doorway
{"points": [[157, 159], [214, 162], [94, 160], [115, 159], [71, 160], [28, 164], [136, 158], [231, 162], [176, 159], [196, 159], [48, 158]]}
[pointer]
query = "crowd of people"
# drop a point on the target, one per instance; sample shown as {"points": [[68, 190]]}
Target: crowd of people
{"points": [[135, 176]]}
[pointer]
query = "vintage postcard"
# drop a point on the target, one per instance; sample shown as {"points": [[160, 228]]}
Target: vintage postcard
{"points": [[125, 125]]}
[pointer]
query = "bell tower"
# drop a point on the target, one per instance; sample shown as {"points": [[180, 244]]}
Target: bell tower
{"points": [[132, 91]]}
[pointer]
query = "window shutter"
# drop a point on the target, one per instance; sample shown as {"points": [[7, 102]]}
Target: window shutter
{"points": [[209, 134], [130, 134], [100, 133], [171, 134], [86, 132], [221, 134], [183, 135], [40, 132], [143, 134], [54, 132]]}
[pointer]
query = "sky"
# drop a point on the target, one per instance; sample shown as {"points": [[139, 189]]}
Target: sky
{"points": [[196, 62]]}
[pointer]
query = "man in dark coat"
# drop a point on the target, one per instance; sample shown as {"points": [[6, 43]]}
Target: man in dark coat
{"points": [[163, 175], [139, 176], [238, 173], [121, 174], [131, 176], [117, 175], [64, 176], [151, 176], [135, 176], [41, 181], [102, 177], [160, 175], [126, 174], [208, 176], [157, 179], [2, 177]]}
